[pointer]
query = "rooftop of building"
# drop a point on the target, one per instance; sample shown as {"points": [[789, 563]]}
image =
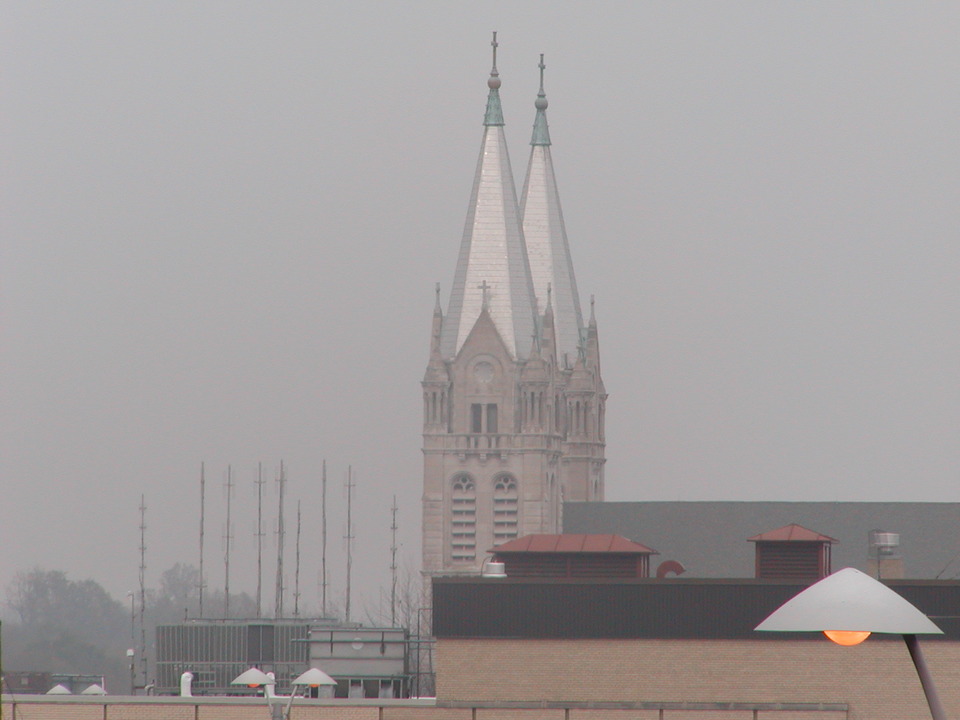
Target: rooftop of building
{"points": [[573, 543], [710, 538]]}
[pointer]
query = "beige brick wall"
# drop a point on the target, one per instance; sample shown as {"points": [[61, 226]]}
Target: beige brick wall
{"points": [[224, 712], [334, 713], [504, 714], [614, 715], [394, 713], [876, 679], [42, 712], [121, 711], [150, 712]]}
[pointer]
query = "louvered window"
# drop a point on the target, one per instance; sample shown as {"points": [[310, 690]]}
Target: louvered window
{"points": [[505, 509], [463, 522]]}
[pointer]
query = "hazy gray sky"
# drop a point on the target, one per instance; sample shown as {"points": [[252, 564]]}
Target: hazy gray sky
{"points": [[222, 223]]}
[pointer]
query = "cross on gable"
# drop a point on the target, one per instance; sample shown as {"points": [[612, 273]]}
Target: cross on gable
{"points": [[483, 289]]}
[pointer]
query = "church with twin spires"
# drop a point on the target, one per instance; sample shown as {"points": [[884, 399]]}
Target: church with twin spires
{"points": [[513, 401]]}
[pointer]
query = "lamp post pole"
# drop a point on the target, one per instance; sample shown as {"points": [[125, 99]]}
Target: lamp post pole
{"points": [[926, 679], [133, 616], [131, 654]]}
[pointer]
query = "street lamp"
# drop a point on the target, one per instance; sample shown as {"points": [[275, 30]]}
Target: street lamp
{"points": [[254, 677], [312, 678], [850, 605]]}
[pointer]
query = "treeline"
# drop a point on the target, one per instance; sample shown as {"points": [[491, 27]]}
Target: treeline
{"points": [[61, 625]]}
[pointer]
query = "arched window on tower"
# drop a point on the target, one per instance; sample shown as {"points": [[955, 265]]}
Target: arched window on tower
{"points": [[505, 509], [463, 522]]}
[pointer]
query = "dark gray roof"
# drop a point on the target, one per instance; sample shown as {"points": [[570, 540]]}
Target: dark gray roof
{"points": [[475, 607], [710, 538]]}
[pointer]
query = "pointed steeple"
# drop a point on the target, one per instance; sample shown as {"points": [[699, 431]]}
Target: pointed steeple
{"points": [[437, 326], [541, 133], [494, 114], [493, 270], [436, 368], [548, 333], [592, 344], [546, 235]]}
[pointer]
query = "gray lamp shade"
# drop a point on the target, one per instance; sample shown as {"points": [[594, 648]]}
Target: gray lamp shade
{"points": [[849, 600], [314, 676], [253, 676]]}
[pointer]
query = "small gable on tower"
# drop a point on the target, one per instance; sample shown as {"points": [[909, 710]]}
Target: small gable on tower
{"points": [[483, 377]]}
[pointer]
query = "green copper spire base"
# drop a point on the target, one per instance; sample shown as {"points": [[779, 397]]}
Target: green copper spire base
{"points": [[541, 134], [494, 114]]}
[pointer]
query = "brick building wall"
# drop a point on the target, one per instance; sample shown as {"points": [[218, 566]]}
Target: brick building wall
{"points": [[52, 710], [876, 679]]}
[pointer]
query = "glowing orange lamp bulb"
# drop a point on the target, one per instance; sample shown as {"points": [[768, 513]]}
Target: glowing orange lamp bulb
{"points": [[847, 637]]}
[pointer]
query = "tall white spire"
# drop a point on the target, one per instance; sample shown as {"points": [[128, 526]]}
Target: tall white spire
{"points": [[546, 236], [493, 272]]}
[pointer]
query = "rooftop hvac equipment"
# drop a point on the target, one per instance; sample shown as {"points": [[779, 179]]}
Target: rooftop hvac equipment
{"points": [[884, 544], [494, 569]]}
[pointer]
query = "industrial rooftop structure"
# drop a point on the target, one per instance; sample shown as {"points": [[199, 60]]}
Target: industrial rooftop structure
{"points": [[710, 538]]}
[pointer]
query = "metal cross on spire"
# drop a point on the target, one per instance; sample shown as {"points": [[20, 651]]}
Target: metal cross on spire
{"points": [[483, 289], [494, 44], [542, 68]]}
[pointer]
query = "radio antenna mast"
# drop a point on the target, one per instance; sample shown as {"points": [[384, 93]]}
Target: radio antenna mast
{"points": [[296, 574], [226, 554], [203, 493], [393, 564], [349, 536], [323, 543], [259, 484], [143, 589], [281, 532]]}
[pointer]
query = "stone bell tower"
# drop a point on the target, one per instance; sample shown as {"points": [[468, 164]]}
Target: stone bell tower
{"points": [[513, 402]]}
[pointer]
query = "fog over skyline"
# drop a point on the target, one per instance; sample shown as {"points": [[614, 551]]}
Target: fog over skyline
{"points": [[222, 224]]}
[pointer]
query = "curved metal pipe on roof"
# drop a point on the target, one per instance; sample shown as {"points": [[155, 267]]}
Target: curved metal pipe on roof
{"points": [[669, 566]]}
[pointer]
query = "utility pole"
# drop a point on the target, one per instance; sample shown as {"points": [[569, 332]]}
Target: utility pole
{"points": [[132, 651]]}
